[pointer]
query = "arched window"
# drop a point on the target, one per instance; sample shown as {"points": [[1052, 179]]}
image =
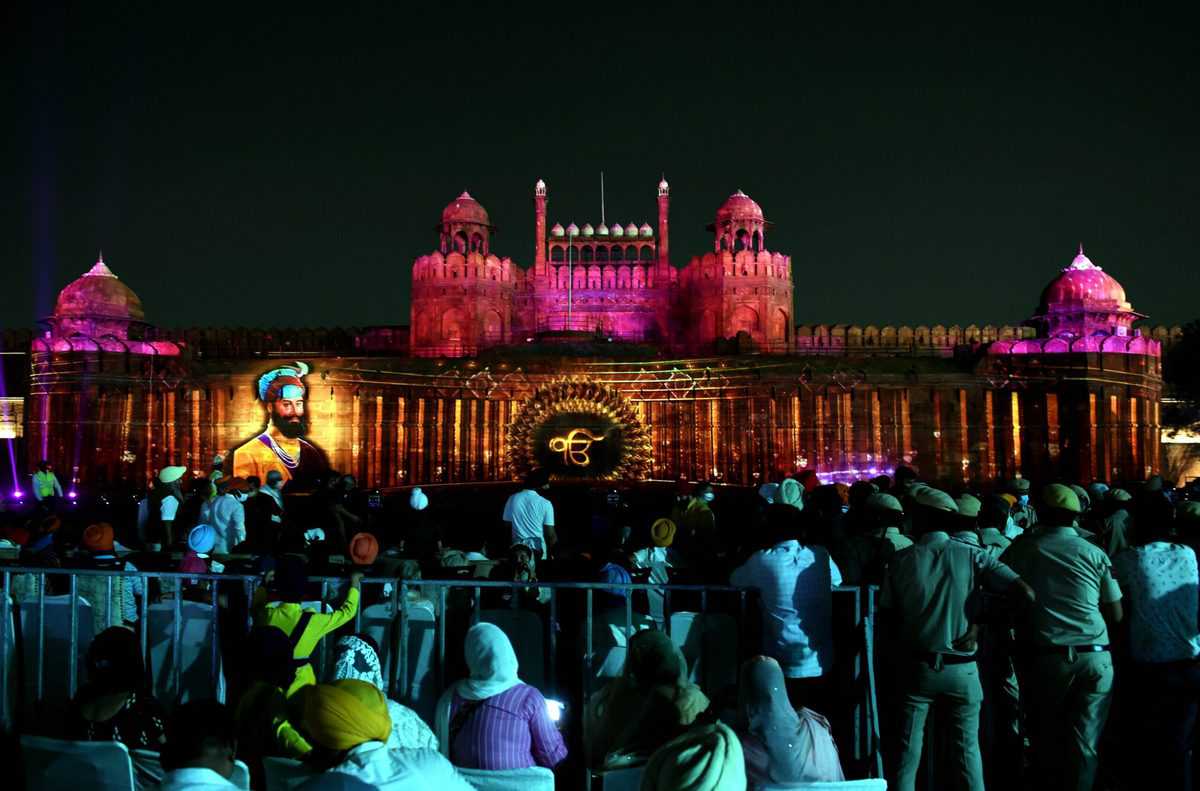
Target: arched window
{"points": [[556, 254], [477, 242], [647, 253], [742, 242], [725, 241], [460, 242], [616, 253], [585, 254], [757, 242], [631, 253], [601, 253]]}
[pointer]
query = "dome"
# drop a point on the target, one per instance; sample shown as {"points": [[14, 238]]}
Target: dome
{"points": [[602, 230], [739, 206], [646, 230], [464, 208], [631, 230], [99, 294], [588, 230], [572, 230], [617, 230], [663, 187], [557, 230], [1083, 284]]}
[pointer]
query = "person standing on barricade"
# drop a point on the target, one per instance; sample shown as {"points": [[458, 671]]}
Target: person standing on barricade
{"points": [[924, 615], [282, 607], [1064, 665]]}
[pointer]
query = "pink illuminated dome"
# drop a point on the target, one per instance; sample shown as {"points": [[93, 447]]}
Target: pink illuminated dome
{"points": [[739, 206], [1084, 284], [465, 209], [99, 294]]}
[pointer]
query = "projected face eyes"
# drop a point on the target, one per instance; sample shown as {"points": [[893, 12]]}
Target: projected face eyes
{"points": [[289, 407]]}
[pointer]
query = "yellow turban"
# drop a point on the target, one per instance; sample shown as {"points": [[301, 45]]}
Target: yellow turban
{"points": [[344, 714], [662, 532]]}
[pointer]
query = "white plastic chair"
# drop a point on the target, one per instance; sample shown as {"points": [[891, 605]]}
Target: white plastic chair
{"points": [[284, 774], [147, 768], [195, 647], [422, 683], [610, 640], [870, 784], [533, 778], [625, 779], [524, 630], [96, 766]]}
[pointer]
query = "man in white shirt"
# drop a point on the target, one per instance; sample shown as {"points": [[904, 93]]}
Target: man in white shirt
{"points": [[795, 583], [530, 515], [201, 743], [1161, 584], [226, 514]]}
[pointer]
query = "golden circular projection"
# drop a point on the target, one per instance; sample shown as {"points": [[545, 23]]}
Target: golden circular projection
{"points": [[576, 428]]}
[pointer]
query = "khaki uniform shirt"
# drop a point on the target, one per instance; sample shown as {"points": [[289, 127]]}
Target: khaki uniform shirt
{"points": [[1071, 578], [897, 539], [993, 540], [927, 587]]}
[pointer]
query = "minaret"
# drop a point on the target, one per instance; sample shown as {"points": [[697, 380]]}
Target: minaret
{"points": [[663, 263], [539, 229]]}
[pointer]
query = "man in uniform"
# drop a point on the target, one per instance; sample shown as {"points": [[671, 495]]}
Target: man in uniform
{"points": [[282, 446], [924, 611], [1064, 664], [1024, 514], [968, 520], [45, 482]]}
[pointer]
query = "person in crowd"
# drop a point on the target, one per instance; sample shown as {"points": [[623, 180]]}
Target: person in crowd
{"points": [[200, 748], [422, 540], [116, 705], [924, 616], [261, 716], [707, 757], [198, 560], [45, 482], [795, 582], [363, 551], [887, 516], [492, 720], [1024, 514], [348, 725], [162, 508], [993, 519], [697, 537], [781, 744], [199, 492], [519, 566], [226, 513], [357, 657], [791, 493], [114, 605], [875, 536], [659, 559], [530, 516], [651, 703], [264, 518], [304, 628], [1161, 584], [1064, 666], [1011, 530], [768, 492], [966, 527], [1117, 526], [39, 551]]}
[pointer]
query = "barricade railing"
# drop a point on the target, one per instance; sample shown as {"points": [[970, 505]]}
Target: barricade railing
{"points": [[409, 597]]}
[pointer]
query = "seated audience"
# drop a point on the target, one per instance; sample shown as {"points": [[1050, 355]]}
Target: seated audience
{"points": [[263, 728], [781, 744], [651, 703], [357, 657], [304, 628], [705, 758], [115, 705], [492, 720], [348, 724], [120, 607], [198, 755]]}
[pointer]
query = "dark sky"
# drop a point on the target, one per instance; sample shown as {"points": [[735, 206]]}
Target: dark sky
{"points": [[272, 166]]}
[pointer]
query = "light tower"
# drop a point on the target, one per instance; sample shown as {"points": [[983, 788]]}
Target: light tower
{"points": [[539, 229]]}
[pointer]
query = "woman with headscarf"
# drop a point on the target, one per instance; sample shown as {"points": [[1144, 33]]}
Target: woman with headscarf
{"points": [[705, 758], [357, 657], [263, 727], [791, 493], [115, 705], [492, 720], [348, 724], [651, 702], [782, 745]]}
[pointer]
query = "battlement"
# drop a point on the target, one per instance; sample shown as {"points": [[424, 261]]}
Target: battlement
{"points": [[471, 266], [742, 264]]}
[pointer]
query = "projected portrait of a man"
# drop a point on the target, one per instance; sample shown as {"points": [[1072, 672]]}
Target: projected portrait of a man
{"points": [[282, 446]]}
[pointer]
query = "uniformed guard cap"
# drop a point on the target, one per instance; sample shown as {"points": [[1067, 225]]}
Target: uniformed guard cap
{"points": [[883, 502], [1019, 485], [1119, 496], [1058, 496], [968, 505], [933, 498]]}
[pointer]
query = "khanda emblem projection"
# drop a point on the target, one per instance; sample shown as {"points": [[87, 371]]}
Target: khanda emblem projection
{"points": [[574, 446], [576, 429]]}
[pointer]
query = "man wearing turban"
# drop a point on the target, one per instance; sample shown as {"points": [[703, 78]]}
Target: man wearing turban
{"points": [[282, 446]]}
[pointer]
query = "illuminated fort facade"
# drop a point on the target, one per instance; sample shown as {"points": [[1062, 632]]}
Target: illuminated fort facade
{"points": [[705, 364]]}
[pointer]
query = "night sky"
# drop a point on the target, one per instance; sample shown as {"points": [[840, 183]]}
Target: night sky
{"points": [[273, 167]]}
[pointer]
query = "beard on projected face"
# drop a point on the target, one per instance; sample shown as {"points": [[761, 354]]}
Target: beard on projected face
{"points": [[292, 427]]}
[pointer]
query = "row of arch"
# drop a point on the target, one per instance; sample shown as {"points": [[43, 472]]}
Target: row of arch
{"points": [[603, 253], [462, 243], [739, 241], [597, 277], [104, 343], [456, 266], [852, 335], [1114, 344], [745, 263]]}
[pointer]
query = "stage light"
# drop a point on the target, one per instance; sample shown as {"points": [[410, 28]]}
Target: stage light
{"points": [[554, 709], [71, 495]]}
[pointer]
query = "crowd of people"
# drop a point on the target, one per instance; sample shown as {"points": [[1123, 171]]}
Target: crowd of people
{"points": [[1052, 630]]}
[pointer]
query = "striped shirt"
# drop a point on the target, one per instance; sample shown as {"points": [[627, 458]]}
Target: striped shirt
{"points": [[507, 731]]}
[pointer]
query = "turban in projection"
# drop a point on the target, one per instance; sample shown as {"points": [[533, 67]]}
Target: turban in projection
{"points": [[283, 382], [345, 714]]}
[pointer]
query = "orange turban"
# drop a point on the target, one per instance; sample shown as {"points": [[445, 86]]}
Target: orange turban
{"points": [[98, 538], [344, 714], [363, 549]]}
